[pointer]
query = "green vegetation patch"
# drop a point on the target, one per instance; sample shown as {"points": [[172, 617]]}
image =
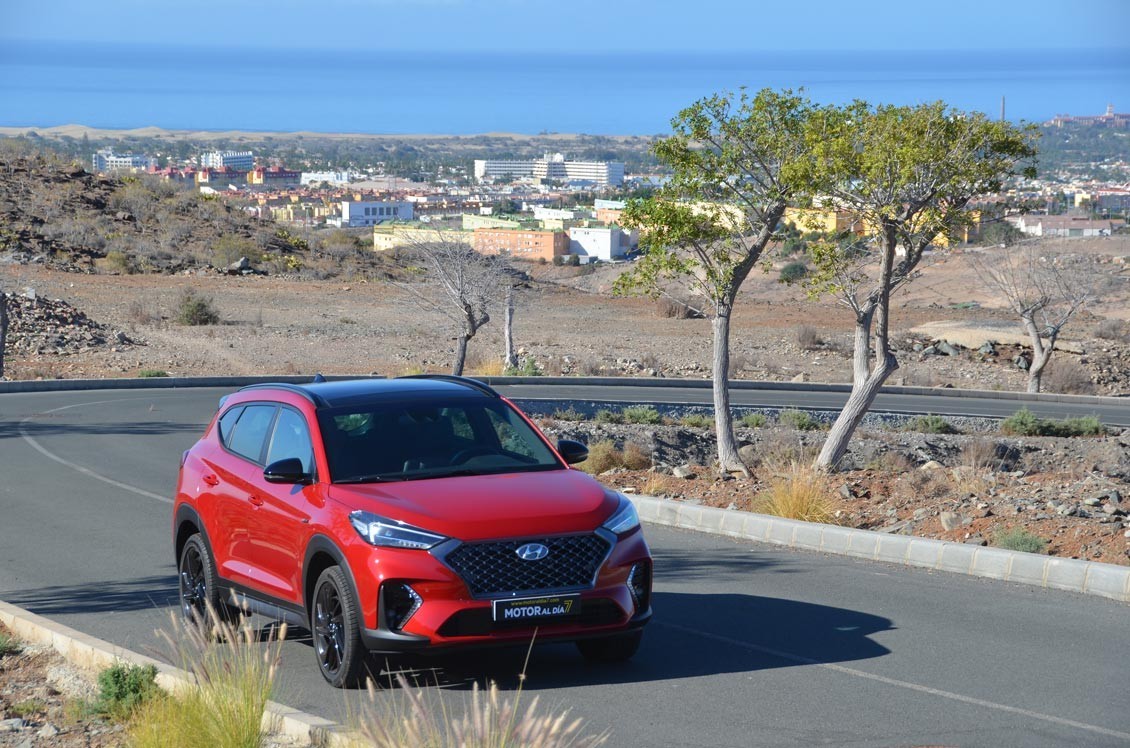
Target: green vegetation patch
{"points": [[1025, 423]]}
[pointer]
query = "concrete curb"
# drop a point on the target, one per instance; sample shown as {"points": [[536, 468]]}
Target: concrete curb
{"points": [[1073, 575], [59, 385], [89, 653]]}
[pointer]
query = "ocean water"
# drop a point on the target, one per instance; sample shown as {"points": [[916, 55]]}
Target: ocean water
{"points": [[123, 86]]}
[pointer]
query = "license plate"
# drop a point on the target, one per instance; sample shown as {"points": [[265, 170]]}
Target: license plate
{"points": [[536, 609]]}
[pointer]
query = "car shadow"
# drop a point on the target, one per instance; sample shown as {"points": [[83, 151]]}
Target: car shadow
{"points": [[692, 635]]}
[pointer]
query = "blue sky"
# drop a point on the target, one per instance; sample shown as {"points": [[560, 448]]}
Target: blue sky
{"points": [[596, 26]]}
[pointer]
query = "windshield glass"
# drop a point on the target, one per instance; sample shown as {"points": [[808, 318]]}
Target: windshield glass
{"points": [[396, 441]]}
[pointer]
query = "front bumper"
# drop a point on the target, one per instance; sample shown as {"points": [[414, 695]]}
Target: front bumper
{"points": [[450, 617]]}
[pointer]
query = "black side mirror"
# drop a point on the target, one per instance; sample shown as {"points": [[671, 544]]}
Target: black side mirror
{"points": [[572, 451], [287, 471]]}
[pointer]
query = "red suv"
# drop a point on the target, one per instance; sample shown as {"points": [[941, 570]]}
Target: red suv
{"points": [[401, 515]]}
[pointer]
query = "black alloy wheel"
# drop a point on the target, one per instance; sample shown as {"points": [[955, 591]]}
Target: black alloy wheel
{"points": [[334, 621], [197, 581]]}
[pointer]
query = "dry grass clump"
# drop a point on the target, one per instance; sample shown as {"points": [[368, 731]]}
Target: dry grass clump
{"points": [[779, 450], [672, 308], [808, 338], [892, 462], [797, 492], [234, 677], [491, 721], [605, 456]]}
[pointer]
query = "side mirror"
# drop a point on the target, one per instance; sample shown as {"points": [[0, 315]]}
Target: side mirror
{"points": [[289, 470], [572, 451]]}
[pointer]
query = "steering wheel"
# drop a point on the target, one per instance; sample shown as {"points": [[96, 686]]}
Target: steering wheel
{"points": [[465, 454]]}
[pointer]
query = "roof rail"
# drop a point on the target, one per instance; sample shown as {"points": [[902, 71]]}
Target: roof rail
{"points": [[465, 381], [317, 400]]}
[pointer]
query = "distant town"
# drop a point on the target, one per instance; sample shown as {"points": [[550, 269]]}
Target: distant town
{"points": [[557, 208]]}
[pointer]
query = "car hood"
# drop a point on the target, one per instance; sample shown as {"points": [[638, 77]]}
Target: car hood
{"points": [[482, 507]]}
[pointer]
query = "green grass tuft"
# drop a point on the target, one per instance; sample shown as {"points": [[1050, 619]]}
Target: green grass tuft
{"points": [[1018, 539]]}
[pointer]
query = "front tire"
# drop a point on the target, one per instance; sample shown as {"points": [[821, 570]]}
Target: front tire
{"points": [[615, 648], [335, 621]]}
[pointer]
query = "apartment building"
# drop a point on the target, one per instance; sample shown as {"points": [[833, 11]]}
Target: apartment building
{"points": [[392, 236], [105, 160], [239, 160], [274, 177], [601, 243], [553, 167], [373, 212], [524, 244]]}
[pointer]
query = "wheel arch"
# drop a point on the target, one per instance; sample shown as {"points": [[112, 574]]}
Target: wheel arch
{"points": [[321, 554], [188, 523]]}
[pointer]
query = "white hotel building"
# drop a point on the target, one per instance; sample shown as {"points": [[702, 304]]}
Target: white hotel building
{"points": [[372, 213], [553, 167], [238, 160]]}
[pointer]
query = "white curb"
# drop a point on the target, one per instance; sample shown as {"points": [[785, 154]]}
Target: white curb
{"points": [[1086, 577]]}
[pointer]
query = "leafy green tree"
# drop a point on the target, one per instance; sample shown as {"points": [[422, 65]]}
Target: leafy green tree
{"points": [[735, 165], [907, 173]]}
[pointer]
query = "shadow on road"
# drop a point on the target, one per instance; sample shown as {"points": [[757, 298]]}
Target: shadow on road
{"points": [[10, 429], [693, 635], [142, 593]]}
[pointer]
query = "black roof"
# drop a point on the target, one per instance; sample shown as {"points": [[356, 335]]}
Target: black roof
{"points": [[354, 391]]}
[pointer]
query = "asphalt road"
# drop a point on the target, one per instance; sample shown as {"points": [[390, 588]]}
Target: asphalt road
{"points": [[751, 645]]}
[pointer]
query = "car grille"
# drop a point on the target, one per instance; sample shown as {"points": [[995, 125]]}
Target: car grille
{"points": [[493, 568]]}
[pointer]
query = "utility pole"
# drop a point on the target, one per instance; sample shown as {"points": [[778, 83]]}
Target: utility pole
{"points": [[1002, 107]]}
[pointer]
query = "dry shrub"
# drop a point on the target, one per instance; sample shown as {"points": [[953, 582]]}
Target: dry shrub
{"points": [[635, 457], [672, 308], [655, 485], [491, 721], [738, 364], [930, 484], [982, 454], [588, 368], [604, 456], [797, 492], [780, 450], [140, 314], [1067, 377], [1113, 329], [650, 361], [808, 338], [893, 462]]}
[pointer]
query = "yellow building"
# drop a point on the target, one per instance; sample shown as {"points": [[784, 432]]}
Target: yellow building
{"points": [[387, 237]]}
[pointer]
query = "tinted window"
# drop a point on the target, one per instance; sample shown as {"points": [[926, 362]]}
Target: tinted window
{"points": [[291, 439], [430, 439], [227, 424], [251, 431]]}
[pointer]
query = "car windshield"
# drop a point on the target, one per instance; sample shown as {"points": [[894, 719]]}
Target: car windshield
{"points": [[398, 441]]}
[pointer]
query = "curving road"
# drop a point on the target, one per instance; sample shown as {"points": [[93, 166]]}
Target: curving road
{"points": [[751, 645]]}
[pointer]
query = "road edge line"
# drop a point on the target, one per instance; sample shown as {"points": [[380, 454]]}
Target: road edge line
{"points": [[92, 655], [1072, 575]]}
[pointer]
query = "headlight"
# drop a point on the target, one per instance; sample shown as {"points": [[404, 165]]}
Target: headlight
{"points": [[391, 533], [624, 519]]}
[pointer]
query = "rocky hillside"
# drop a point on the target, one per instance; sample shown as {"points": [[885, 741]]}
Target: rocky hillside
{"points": [[60, 215]]}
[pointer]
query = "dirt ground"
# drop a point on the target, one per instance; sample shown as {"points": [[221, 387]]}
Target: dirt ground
{"points": [[568, 322], [41, 702]]}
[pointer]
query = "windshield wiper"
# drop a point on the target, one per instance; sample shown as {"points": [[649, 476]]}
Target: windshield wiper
{"points": [[444, 474], [367, 479]]}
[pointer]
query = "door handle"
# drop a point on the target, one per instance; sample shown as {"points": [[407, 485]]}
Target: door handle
{"points": [[255, 500], [211, 480]]}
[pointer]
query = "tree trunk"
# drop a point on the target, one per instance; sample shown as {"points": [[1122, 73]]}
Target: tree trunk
{"points": [[863, 395], [460, 355], [854, 409], [861, 362], [728, 459], [1041, 354], [3, 328], [510, 358]]}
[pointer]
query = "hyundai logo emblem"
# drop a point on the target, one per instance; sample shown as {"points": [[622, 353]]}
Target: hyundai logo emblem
{"points": [[532, 552]]}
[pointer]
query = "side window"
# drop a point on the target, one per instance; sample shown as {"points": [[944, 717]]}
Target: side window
{"points": [[251, 431], [227, 425], [460, 424], [291, 439]]}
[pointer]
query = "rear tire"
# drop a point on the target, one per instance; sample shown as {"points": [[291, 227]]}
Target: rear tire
{"points": [[616, 648], [335, 621], [199, 585]]}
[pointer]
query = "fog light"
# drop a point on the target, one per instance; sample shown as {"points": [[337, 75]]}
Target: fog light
{"points": [[399, 602], [639, 584]]}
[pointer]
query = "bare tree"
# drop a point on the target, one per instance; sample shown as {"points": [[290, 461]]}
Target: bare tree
{"points": [[462, 286], [1044, 289]]}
